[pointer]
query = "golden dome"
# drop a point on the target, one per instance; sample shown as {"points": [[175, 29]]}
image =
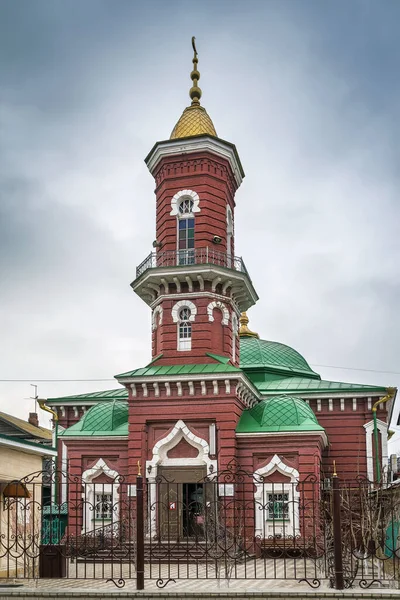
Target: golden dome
{"points": [[244, 330], [194, 119]]}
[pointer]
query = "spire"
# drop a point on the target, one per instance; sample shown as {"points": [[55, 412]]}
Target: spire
{"points": [[244, 331], [195, 91], [194, 119]]}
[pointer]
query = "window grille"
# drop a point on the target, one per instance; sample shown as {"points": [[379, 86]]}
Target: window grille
{"points": [[103, 507], [278, 506], [185, 330]]}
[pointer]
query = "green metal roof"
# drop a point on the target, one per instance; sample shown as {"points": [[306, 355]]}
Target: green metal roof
{"points": [[256, 354], [279, 413], [171, 370], [103, 419], [120, 393], [310, 386]]}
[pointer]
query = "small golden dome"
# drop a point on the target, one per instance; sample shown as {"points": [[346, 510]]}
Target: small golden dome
{"points": [[244, 330], [194, 119]]}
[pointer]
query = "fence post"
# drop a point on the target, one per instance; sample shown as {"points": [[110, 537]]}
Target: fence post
{"points": [[337, 532], [139, 533]]}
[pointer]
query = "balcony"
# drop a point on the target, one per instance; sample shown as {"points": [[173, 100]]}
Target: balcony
{"points": [[185, 258]]}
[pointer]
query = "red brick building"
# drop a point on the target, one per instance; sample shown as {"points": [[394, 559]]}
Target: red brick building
{"points": [[214, 393]]}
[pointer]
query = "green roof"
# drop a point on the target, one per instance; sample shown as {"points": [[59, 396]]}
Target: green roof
{"points": [[310, 386], [256, 354], [279, 414], [120, 393], [171, 370], [103, 419]]}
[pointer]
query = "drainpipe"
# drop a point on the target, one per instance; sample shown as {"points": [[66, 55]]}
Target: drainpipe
{"points": [[390, 394], [43, 406]]}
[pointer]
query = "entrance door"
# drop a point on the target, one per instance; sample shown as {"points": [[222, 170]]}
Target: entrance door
{"points": [[181, 502]]}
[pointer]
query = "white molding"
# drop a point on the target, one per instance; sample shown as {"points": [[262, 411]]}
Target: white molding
{"points": [[89, 491], [163, 446], [179, 196], [221, 306], [190, 146], [160, 458], [285, 433], [183, 304], [263, 488], [369, 432], [158, 310]]}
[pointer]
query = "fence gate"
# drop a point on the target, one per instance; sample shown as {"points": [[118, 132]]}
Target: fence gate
{"points": [[186, 525]]}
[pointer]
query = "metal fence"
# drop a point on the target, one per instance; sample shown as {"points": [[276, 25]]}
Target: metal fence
{"points": [[235, 525], [195, 256]]}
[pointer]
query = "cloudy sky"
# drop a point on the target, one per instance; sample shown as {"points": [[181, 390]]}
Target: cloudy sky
{"points": [[307, 90]]}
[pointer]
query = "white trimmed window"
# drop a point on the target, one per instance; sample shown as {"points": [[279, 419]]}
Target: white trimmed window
{"points": [[103, 506], [184, 329], [186, 254]]}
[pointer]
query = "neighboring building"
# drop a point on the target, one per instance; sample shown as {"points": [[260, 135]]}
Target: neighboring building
{"points": [[214, 391], [24, 446]]}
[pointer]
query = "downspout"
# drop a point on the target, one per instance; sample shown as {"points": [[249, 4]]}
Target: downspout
{"points": [[390, 394], [43, 406]]}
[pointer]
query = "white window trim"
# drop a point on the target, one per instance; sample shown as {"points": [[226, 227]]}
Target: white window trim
{"points": [[177, 199], [158, 310], [90, 490], [369, 433], [183, 304], [222, 308], [235, 333], [229, 233], [263, 488]]}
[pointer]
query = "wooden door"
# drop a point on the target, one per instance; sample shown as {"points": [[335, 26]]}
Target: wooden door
{"points": [[170, 494]]}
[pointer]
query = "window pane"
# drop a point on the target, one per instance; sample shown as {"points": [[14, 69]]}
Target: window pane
{"points": [[191, 243], [182, 234], [182, 244], [190, 223], [190, 233], [182, 223]]}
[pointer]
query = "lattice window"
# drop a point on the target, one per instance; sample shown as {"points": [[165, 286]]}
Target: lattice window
{"points": [[184, 329], [278, 506], [186, 206], [103, 506]]}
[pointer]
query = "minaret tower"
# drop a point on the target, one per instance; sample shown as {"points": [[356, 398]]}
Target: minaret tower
{"points": [[192, 281]]}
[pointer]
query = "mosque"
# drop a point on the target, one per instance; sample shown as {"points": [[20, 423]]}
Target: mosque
{"points": [[214, 392]]}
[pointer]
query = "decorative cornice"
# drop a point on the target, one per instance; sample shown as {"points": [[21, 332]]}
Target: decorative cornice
{"points": [[194, 144]]}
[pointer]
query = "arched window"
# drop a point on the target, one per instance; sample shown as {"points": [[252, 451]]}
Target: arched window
{"points": [[229, 235], [235, 333], [184, 329], [186, 232]]}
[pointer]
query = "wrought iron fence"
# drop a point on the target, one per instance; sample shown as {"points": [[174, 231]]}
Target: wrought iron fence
{"points": [[196, 256], [179, 525]]}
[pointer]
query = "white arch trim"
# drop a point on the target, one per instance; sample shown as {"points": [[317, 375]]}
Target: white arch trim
{"points": [[222, 308], [369, 432], [90, 490], [263, 527], [160, 458], [163, 446], [183, 304], [158, 310], [179, 196]]}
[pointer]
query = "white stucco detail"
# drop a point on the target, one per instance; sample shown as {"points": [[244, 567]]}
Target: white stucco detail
{"points": [[179, 196], [183, 304], [221, 306], [263, 488], [160, 458], [157, 311], [369, 434], [163, 446], [90, 490]]}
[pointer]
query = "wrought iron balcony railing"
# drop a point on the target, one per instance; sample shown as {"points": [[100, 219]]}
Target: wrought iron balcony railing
{"points": [[184, 258]]}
